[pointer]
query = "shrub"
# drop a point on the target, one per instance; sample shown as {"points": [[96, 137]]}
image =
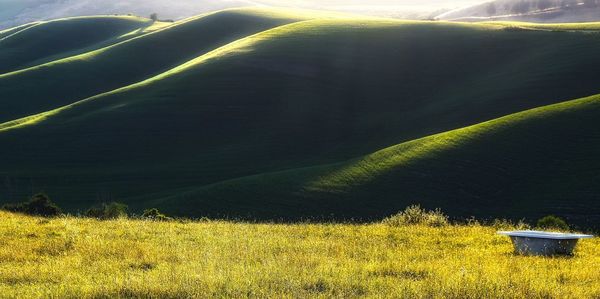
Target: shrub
{"points": [[155, 214], [112, 210], [39, 205], [552, 222], [415, 215]]}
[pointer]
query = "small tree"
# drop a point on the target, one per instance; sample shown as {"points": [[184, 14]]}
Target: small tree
{"points": [[154, 17], [552, 222], [40, 204]]}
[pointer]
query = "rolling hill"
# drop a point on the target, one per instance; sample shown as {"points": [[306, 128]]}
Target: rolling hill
{"points": [[542, 11], [46, 41], [64, 81], [526, 165], [252, 113]]}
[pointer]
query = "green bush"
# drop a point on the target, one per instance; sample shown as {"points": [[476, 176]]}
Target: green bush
{"points": [[155, 214], [111, 210], [39, 205], [552, 222], [415, 215]]}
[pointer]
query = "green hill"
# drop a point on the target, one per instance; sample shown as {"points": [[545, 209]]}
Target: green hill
{"points": [[243, 93], [41, 42], [527, 165], [67, 80]]}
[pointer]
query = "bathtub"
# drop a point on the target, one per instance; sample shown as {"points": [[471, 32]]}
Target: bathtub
{"points": [[543, 243]]}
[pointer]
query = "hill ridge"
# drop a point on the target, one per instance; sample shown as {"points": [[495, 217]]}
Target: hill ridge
{"points": [[248, 10], [46, 41], [214, 30], [237, 44]]}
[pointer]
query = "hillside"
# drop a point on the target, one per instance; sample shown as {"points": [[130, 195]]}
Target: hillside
{"points": [[73, 78], [525, 165], [84, 258], [542, 11], [47, 41], [180, 117]]}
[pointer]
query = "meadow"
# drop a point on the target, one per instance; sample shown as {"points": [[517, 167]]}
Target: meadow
{"points": [[272, 117], [71, 257]]}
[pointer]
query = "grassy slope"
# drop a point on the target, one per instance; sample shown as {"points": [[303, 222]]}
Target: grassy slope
{"points": [[9, 31], [282, 100], [529, 164], [47, 41], [65, 81], [80, 258]]}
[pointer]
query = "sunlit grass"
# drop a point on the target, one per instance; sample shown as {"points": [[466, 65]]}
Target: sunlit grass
{"points": [[81, 258], [29, 120], [368, 168], [155, 26], [10, 31]]}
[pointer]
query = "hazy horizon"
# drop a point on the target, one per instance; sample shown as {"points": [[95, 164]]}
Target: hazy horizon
{"points": [[17, 12]]}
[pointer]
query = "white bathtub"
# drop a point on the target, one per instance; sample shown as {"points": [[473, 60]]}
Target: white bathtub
{"points": [[544, 243]]}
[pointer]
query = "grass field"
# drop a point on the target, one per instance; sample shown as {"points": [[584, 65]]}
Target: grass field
{"points": [[268, 114], [82, 258]]}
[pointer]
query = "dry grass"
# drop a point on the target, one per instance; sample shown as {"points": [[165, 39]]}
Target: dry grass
{"points": [[82, 258]]}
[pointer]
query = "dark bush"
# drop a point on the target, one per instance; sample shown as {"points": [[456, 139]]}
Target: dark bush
{"points": [[155, 214], [552, 222], [39, 205], [111, 210]]}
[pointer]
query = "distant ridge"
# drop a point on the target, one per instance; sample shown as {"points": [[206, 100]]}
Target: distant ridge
{"points": [[544, 11]]}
